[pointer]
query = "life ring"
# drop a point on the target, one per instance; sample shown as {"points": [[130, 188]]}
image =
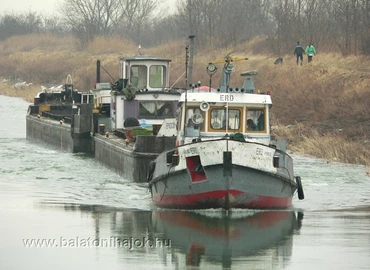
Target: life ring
{"points": [[151, 168], [299, 188]]}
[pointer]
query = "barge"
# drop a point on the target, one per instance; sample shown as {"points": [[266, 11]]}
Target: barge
{"points": [[62, 119]]}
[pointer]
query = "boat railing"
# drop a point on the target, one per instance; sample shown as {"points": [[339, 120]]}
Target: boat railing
{"points": [[57, 117], [284, 162], [101, 100]]}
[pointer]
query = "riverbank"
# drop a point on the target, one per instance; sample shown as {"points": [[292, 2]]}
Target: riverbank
{"points": [[27, 93], [331, 146], [302, 138], [320, 108]]}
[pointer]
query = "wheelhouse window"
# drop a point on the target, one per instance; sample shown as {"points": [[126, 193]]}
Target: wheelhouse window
{"points": [[139, 74], [156, 109], [194, 118], [255, 120], [157, 76], [220, 118]]}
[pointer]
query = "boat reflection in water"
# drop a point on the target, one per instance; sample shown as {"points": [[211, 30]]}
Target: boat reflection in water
{"points": [[238, 238], [204, 238]]}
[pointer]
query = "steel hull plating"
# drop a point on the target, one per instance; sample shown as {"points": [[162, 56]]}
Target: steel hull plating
{"points": [[214, 186], [247, 189]]}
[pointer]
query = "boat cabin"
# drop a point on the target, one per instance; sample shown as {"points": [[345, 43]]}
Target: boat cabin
{"points": [[217, 114], [144, 95], [225, 112], [145, 72]]}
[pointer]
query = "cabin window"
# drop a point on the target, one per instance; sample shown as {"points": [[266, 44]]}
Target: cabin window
{"points": [[220, 118], [255, 120], [139, 76], [156, 109], [194, 118], [121, 69], [164, 109], [157, 76]]}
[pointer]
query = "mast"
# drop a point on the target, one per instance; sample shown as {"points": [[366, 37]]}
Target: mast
{"points": [[188, 75], [191, 60]]}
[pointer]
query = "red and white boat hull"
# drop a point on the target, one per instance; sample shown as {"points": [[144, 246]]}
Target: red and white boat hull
{"points": [[203, 179]]}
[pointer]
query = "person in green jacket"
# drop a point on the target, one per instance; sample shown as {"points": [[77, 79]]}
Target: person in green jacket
{"points": [[310, 51]]}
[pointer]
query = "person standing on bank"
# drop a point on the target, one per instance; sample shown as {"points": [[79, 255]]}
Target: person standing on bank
{"points": [[310, 51], [299, 51]]}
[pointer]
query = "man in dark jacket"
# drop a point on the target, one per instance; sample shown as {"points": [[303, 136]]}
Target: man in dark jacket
{"points": [[299, 51]]}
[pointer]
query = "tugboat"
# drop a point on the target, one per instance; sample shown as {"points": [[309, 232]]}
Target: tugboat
{"points": [[142, 118], [225, 156], [140, 102]]}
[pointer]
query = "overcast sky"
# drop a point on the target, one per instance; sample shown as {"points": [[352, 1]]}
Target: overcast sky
{"points": [[41, 6]]}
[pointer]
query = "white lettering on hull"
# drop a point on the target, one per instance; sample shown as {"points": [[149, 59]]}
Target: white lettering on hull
{"points": [[211, 153]]}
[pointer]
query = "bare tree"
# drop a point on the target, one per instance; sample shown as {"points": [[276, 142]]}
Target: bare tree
{"points": [[137, 15], [283, 16], [364, 26], [90, 18], [222, 22], [20, 24], [333, 24], [53, 24], [190, 17], [163, 30]]}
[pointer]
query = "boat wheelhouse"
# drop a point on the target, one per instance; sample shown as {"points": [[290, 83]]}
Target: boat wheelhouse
{"points": [[215, 115], [142, 103], [143, 93]]}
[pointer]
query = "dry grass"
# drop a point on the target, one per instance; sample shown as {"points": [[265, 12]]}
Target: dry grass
{"points": [[324, 102], [328, 98], [7, 89], [111, 45], [330, 147], [44, 42]]}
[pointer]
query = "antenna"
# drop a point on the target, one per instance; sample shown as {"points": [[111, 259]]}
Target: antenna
{"points": [[186, 90], [188, 68], [191, 59]]}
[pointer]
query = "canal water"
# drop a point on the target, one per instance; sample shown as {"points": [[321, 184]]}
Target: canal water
{"points": [[65, 211]]}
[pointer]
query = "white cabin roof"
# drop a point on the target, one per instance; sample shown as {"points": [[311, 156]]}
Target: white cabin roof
{"points": [[244, 98], [150, 95], [144, 58]]}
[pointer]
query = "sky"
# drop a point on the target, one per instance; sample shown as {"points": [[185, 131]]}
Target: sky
{"points": [[19, 6], [41, 6]]}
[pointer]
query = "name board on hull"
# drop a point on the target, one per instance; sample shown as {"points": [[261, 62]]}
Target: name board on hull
{"points": [[226, 97], [168, 128]]}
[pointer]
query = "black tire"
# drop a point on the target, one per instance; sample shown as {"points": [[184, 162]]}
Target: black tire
{"points": [[299, 188], [131, 122]]}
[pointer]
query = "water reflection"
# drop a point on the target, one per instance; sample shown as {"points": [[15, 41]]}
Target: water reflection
{"points": [[209, 238], [198, 238]]}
